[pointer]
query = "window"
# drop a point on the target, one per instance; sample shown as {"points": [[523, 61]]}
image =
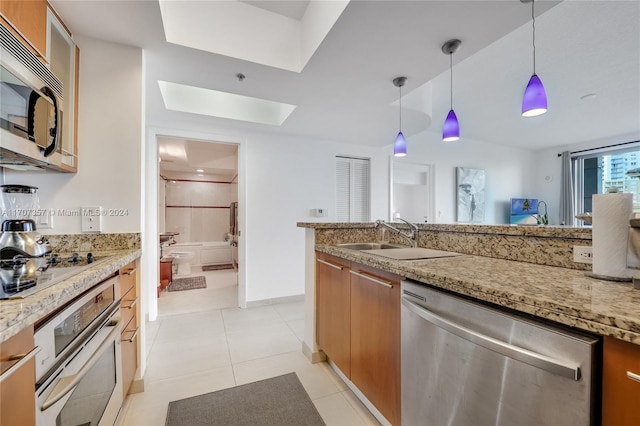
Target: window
{"points": [[352, 189], [597, 172]]}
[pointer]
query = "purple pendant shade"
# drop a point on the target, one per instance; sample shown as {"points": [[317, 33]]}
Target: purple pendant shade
{"points": [[451, 128], [400, 146], [534, 101]]}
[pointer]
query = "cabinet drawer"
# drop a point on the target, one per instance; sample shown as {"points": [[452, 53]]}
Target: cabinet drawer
{"points": [[128, 275], [17, 401]]}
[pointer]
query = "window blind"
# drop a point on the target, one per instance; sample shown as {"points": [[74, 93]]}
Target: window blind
{"points": [[352, 189]]}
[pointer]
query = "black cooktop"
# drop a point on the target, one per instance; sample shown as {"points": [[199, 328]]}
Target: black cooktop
{"points": [[23, 276]]}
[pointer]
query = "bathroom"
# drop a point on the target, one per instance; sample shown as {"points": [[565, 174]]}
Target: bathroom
{"points": [[198, 205]]}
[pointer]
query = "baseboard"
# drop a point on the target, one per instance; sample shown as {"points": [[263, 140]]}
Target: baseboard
{"points": [[313, 357], [137, 386], [275, 301], [377, 414]]}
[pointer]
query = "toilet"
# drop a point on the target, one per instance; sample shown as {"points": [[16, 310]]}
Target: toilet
{"points": [[183, 260]]}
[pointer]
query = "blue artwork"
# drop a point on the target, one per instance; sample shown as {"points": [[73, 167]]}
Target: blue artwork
{"points": [[524, 211]]}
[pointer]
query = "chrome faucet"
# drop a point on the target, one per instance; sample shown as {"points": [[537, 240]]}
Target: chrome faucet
{"points": [[411, 236]]}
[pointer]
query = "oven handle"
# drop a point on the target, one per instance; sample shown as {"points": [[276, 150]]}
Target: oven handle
{"points": [[67, 384]]}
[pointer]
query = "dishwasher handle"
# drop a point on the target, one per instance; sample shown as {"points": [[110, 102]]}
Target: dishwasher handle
{"points": [[537, 360]]}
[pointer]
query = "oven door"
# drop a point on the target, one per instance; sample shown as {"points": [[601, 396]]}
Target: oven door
{"points": [[87, 390]]}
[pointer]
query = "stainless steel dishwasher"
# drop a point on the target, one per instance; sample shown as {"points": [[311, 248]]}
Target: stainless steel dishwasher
{"points": [[464, 363]]}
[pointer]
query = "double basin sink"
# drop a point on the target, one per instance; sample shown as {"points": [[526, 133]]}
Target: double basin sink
{"points": [[398, 252]]}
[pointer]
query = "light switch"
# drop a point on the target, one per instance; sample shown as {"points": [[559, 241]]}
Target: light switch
{"points": [[91, 218], [45, 220]]}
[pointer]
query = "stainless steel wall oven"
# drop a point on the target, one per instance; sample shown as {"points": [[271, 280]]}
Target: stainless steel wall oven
{"points": [[78, 370]]}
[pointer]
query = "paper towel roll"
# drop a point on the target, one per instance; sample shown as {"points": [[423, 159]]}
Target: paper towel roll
{"points": [[610, 233]]}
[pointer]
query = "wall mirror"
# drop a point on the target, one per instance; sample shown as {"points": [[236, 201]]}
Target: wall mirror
{"points": [[411, 191]]}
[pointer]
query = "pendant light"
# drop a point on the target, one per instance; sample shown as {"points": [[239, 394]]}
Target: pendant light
{"points": [[451, 128], [534, 101], [400, 145]]}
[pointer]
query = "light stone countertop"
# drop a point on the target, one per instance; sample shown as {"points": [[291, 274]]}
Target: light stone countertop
{"points": [[562, 295], [17, 314], [546, 231]]}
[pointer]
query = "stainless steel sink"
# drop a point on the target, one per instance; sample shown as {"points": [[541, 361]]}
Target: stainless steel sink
{"points": [[369, 246]]}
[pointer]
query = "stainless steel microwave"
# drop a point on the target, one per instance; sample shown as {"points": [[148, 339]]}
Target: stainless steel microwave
{"points": [[30, 119]]}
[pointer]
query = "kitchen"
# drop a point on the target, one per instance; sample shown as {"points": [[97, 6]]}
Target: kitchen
{"points": [[121, 112]]}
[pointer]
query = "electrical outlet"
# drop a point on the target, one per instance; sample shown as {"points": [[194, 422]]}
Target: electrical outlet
{"points": [[583, 254]]}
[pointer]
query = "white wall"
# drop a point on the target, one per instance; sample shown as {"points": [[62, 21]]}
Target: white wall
{"points": [[285, 178], [508, 173], [110, 118], [548, 166]]}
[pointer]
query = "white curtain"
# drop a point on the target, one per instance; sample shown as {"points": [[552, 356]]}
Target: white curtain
{"points": [[566, 191]]}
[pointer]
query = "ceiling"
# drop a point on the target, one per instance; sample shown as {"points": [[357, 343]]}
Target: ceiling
{"points": [[183, 159], [345, 93]]}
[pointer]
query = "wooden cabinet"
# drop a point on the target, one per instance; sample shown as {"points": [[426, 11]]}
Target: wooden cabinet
{"points": [[18, 378], [333, 307], [620, 383], [28, 19], [166, 272], [129, 315], [375, 338], [358, 327], [64, 59]]}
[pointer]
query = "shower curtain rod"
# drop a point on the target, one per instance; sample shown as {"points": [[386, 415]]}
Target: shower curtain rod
{"points": [[601, 147]]}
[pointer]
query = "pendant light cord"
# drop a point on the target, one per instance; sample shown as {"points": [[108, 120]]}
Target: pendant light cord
{"points": [[451, 82], [533, 20], [400, 87]]}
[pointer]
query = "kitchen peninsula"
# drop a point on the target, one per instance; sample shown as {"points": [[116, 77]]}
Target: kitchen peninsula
{"points": [[529, 270]]}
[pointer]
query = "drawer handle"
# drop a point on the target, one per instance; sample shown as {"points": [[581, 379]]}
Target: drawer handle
{"points": [[324, 262], [375, 280], [22, 360], [131, 304], [133, 336], [633, 376], [130, 271]]}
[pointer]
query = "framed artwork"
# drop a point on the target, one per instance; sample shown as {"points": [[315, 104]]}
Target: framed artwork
{"points": [[524, 211], [470, 195]]}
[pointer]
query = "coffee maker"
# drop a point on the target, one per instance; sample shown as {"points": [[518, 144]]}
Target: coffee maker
{"points": [[18, 204]]}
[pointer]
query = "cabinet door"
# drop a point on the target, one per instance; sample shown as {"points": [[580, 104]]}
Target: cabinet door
{"points": [[29, 18], [63, 57], [375, 338], [128, 312], [17, 387], [332, 310], [129, 349], [620, 383]]}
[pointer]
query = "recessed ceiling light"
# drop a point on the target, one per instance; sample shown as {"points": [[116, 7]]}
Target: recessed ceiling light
{"points": [[199, 170], [199, 174], [588, 96]]}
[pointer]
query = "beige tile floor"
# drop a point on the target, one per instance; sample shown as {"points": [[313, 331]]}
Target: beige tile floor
{"points": [[202, 343]]}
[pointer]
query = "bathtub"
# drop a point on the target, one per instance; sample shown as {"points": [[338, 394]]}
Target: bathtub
{"points": [[205, 253]]}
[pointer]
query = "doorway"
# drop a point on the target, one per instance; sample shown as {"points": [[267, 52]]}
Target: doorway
{"points": [[198, 225]]}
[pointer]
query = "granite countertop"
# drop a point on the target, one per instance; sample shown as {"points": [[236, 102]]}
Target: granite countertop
{"points": [[17, 314], [562, 295], [553, 231]]}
